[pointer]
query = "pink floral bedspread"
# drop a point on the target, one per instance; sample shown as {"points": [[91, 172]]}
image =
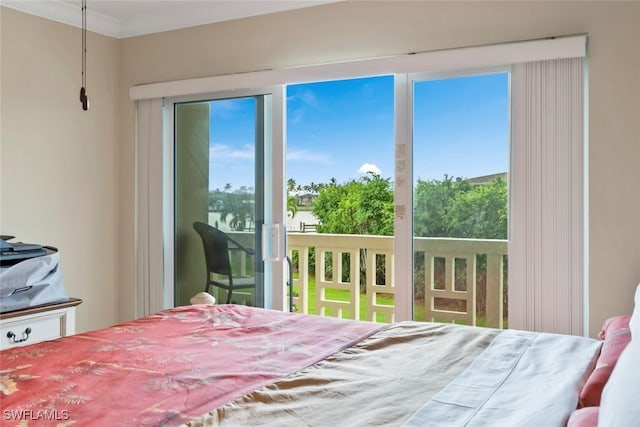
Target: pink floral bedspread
{"points": [[166, 368]]}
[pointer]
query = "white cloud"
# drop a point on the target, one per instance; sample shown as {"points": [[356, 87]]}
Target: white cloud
{"points": [[309, 98], [307, 156], [369, 167], [226, 153], [298, 104], [296, 116], [221, 152], [305, 97]]}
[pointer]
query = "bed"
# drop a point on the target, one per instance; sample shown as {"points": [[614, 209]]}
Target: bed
{"points": [[236, 365]]}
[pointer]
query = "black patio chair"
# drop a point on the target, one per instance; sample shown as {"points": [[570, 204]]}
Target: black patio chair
{"points": [[217, 246]]}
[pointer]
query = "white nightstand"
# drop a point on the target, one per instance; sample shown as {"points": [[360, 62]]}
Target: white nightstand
{"points": [[35, 324]]}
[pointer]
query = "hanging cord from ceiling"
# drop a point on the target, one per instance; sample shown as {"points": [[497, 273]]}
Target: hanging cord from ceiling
{"points": [[83, 89]]}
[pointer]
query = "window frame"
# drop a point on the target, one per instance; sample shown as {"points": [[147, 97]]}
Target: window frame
{"points": [[449, 61]]}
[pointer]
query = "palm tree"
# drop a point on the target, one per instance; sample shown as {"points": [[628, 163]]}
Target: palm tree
{"points": [[292, 205], [292, 201], [291, 185], [240, 206]]}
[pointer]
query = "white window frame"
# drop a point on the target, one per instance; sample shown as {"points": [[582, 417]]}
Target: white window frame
{"points": [[449, 61], [166, 287], [403, 242]]}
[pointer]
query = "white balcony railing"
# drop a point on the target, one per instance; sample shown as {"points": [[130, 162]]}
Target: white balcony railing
{"points": [[448, 273]]}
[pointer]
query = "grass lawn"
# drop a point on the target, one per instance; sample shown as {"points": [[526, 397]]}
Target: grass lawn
{"points": [[339, 295]]}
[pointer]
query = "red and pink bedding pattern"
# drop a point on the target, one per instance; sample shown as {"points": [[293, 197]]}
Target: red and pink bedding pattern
{"points": [[166, 368]]}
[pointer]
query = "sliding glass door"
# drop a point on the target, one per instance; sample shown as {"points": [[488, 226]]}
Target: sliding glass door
{"points": [[349, 239], [340, 184], [226, 186], [442, 253]]}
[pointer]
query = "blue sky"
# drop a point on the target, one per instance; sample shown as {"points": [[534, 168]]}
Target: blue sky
{"points": [[334, 128]]}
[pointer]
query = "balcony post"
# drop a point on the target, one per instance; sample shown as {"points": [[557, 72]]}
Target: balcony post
{"points": [[303, 279], [495, 284]]}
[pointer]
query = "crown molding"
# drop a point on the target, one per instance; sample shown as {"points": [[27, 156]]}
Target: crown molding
{"points": [[68, 13], [158, 16]]}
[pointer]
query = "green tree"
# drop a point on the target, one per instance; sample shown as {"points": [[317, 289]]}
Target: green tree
{"points": [[292, 205], [292, 201], [456, 208], [433, 203], [480, 213], [291, 185], [237, 207], [363, 206]]}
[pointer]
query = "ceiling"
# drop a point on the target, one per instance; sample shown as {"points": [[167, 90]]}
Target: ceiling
{"points": [[127, 18]]}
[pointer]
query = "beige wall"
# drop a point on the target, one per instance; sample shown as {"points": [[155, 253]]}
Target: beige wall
{"points": [[58, 165], [348, 30]]}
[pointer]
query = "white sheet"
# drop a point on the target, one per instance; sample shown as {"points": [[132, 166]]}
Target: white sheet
{"points": [[521, 379]]}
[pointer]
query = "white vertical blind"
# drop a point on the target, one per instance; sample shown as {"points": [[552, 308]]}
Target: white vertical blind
{"points": [[149, 253], [546, 233]]}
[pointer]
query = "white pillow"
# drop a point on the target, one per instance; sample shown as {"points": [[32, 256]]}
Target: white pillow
{"points": [[634, 323], [619, 405]]}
